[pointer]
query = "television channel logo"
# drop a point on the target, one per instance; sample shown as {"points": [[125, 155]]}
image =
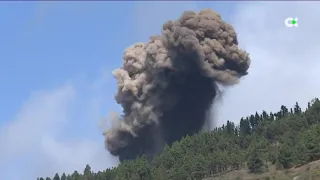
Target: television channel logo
{"points": [[291, 22]]}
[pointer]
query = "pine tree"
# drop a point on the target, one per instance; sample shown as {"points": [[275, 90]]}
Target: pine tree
{"points": [[284, 110], [265, 115], [256, 118], [75, 176], [297, 109], [56, 177], [255, 163], [244, 127], [63, 177], [252, 121], [230, 127], [87, 170], [87, 174], [285, 156]]}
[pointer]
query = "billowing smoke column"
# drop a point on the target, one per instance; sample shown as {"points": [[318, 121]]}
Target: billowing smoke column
{"points": [[166, 86]]}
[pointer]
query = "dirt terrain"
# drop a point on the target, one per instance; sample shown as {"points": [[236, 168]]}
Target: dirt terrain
{"points": [[309, 171]]}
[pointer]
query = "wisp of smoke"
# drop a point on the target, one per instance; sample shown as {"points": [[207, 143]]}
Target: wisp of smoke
{"points": [[167, 85]]}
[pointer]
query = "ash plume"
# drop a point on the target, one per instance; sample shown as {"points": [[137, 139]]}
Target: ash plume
{"points": [[167, 86]]}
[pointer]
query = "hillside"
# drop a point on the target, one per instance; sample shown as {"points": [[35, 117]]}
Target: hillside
{"points": [[278, 145]]}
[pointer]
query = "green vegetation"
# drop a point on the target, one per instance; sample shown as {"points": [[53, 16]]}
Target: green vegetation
{"points": [[285, 139]]}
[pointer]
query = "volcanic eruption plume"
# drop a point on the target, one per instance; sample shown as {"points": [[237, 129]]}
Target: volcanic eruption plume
{"points": [[167, 86]]}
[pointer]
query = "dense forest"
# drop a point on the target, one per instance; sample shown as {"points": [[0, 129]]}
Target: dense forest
{"points": [[284, 139]]}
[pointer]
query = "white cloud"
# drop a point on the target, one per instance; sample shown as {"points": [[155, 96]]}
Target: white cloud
{"points": [[285, 63], [45, 137], [41, 114]]}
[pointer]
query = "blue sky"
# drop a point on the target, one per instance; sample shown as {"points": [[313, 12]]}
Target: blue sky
{"points": [[56, 60], [50, 45], [47, 43]]}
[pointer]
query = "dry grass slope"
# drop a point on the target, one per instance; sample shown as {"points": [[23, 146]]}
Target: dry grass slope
{"points": [[309, 171]]}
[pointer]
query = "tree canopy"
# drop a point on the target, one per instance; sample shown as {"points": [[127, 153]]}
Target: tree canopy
{"points": [[287, 138]]}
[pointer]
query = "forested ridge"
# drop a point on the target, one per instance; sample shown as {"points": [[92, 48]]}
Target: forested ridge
{"points": [[284, 139]]}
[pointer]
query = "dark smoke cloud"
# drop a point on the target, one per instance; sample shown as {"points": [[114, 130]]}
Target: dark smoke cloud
{"points": [[166, 86]]}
